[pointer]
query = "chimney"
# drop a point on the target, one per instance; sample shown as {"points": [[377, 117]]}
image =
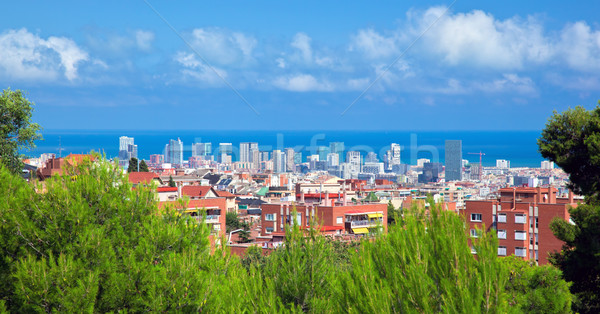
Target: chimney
{"points": [[514, 199], [326, 199], [302, 196], [344, 196], [178, 190], [539, 195], [570, 196]]}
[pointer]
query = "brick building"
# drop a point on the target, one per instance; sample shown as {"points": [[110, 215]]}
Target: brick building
{"points": [[215, 209], [336, 219], [521, 217]]}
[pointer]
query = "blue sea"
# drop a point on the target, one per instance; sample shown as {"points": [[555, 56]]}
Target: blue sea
{"points": [[519, 147]]}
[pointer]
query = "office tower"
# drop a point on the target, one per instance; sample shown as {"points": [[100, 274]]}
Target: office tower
{"points": [[333, 160], [174, 152], [264, 156], [353, 159], [371, 157], [322, 151], [201, 149], [298, 158], [337, 148], [246, 149], [431, 172], [453, 160], [256, 159], [278, 161], [225, 151], [502, 164], [395, 154], [289, 159], [127, 150], [373, 167]]}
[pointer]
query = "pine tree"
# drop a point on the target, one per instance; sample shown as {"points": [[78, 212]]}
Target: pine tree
{"points": [[172, 182], [144, 166], [133, 165]]}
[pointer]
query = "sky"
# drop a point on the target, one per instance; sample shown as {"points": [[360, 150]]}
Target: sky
{"points": [[301, 65]]}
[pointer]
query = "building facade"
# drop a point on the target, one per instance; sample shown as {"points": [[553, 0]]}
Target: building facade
{"points": [[453, 160]]}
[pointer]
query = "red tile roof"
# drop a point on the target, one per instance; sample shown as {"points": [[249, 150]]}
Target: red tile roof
{"points": [[195, 190], [224, 194], [166, 189], [142, 177]]}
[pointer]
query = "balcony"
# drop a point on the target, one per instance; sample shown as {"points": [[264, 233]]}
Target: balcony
{"points": [[210, 219], [365, 223]]}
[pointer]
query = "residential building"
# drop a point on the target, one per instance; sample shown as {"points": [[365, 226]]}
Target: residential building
{"points": [[431, 172], [333, 160], [521, 217], [502, 164], [246, 150], [337, 148], [201, 149], [279, 161], [225, 152], [371, 157], [290, 163], [453, 160], [547, 165]]}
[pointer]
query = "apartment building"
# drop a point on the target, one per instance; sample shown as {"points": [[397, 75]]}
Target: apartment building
{"points": [[521, 217]]}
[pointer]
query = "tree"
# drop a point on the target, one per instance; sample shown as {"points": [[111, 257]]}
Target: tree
{"points": [[17, 132], [572, 141], [133, 165], [172, 182], [144, 166], [232, 221]]}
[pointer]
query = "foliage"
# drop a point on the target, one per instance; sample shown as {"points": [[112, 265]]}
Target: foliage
{"points": [[91, 243], [172, 182], [572, 140], [133, 165], [144, 166], [536, 289], [17, 132], [232, 221]]}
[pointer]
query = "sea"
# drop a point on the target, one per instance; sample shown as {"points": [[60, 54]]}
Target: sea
{"points": [[519, 147]]}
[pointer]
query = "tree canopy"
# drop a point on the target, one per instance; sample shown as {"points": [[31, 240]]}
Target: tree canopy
{"points": [[144, 166], [572, 140], [133, 165], [17, 131]]}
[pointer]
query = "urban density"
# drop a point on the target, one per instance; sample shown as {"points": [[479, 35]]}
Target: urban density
{"points": [[347, 193]]}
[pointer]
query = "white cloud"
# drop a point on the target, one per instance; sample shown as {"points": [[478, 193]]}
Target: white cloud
{"points": [[222, 47], [199, 71], [509, 83], [302, 83], [302, 43], [478, 39], [144, 39], [27, 56], [280, 63], [373, 45], [580, 47]]}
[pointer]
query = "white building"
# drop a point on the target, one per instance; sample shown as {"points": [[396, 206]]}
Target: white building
{"points": [[547, 165], [502, 164]]}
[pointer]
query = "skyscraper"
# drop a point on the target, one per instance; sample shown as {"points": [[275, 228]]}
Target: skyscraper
{"points": [[127, 150], [353, 159], [225, 151], [322, 151], [201, 149], [395, 154], [174, 152], [278, 161], [337, 148], [290, 164], [453, 160], [246, 149]]}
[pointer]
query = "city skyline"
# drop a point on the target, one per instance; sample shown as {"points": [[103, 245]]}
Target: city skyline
{"points": [[462, 65]]}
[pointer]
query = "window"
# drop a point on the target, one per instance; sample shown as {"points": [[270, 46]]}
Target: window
{"points": [[217, 227], [501, 234], [474, 233], [473, 251], [501, 217], [520, 218], [339, 220], [502, 251], [520, 251], [476, 217], [269, 229], [270, 217], [520, 235]]}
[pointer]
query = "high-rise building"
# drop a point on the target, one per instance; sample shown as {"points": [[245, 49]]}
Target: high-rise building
{"points": [[156, 160], [337, 148], [174, 152], [246, 149], [353, 159], [502, 164], [264, 156], [333, 160], [201, 149], [453, 160], [278, 161], [298, 158], [127, 150], [547, 165], [431, 171], [371, 157], [322, 151], [289, 159], [256, 159], [395, 150], [225, 151]]}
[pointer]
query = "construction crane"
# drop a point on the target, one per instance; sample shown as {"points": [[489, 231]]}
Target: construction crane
{"points": [[480, 166]]}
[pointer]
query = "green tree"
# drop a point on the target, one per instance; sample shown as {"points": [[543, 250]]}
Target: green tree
{"points": [[172, 182], [572, 140], [17, 132], [133, 165], [232, 221], [144, 166]]}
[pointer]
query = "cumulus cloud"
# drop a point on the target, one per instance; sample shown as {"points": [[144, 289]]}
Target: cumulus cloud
{"points": [[302, 43], [302, 83], [27, 56], [580, 47], [195, 69], [477, 38], [374, 45], [509, 83], [222, 47]]}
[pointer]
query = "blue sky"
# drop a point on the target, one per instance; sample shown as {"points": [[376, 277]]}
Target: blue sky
{"points": [[281, 65]]}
